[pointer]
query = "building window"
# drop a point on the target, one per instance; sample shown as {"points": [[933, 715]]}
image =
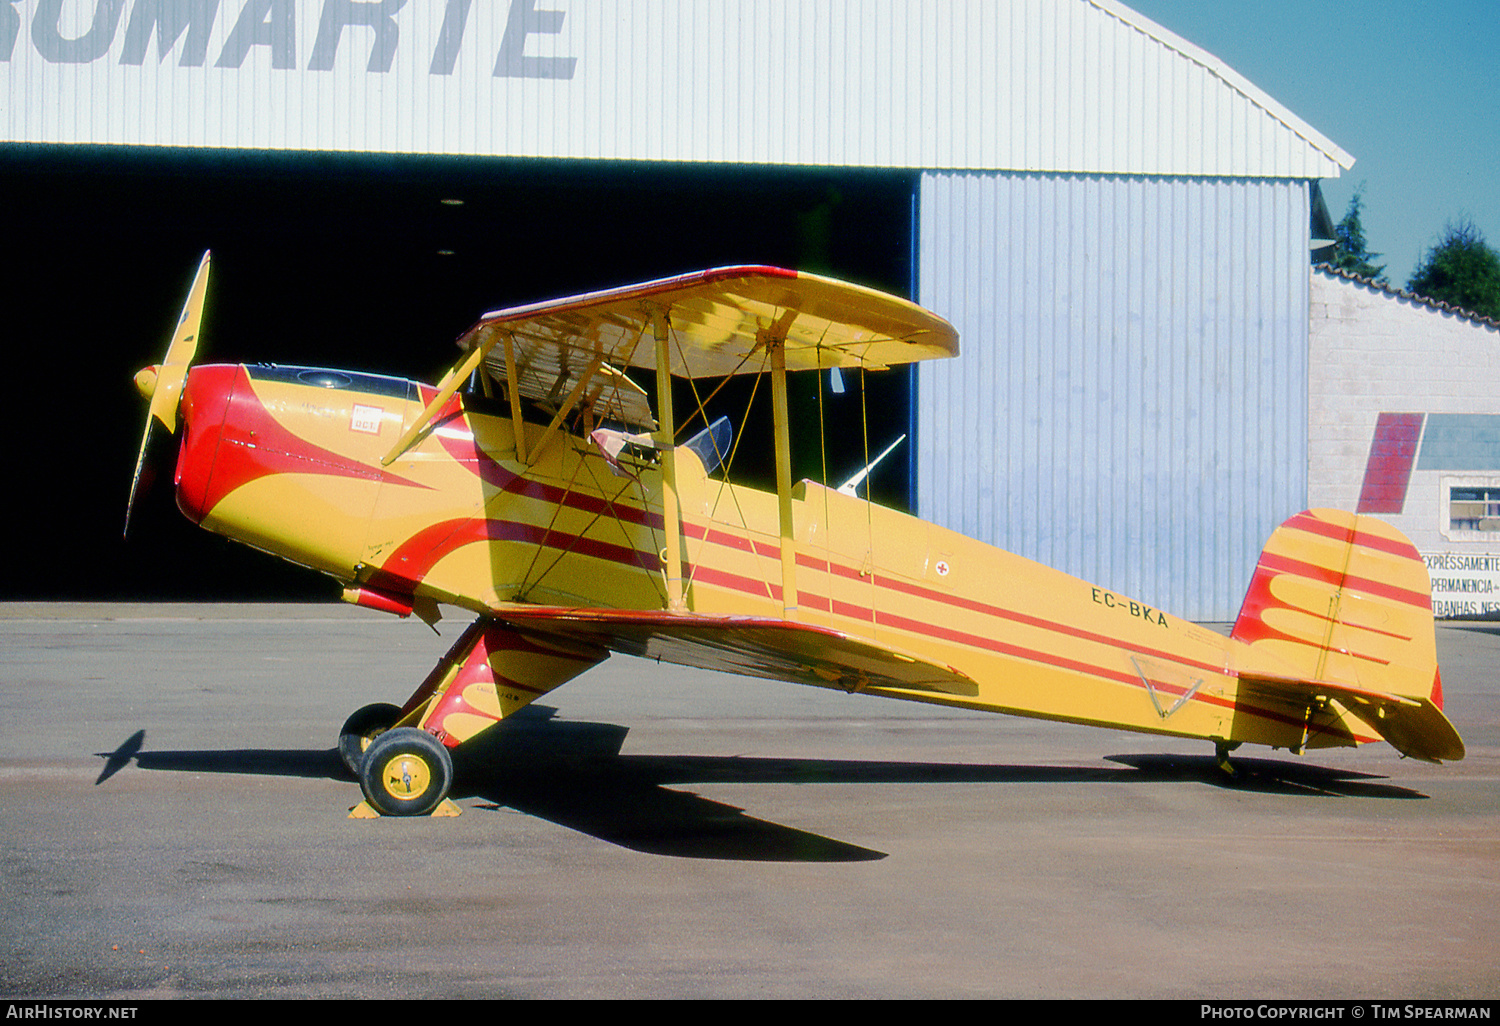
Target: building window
{"points": [[1473, 509], [1470, 509]]}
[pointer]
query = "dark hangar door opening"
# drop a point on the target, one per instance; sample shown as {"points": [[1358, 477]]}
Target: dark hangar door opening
{"points": [[373, 263]]}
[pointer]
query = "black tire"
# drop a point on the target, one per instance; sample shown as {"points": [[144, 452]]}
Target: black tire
{"points": [[406, 772], [363, 727]]}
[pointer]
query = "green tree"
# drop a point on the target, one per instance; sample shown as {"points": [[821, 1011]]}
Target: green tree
{"points": [[1349, 252], [1461, 270]]}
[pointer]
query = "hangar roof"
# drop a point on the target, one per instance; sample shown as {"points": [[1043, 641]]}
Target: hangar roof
{"points": [[1084, 86]]}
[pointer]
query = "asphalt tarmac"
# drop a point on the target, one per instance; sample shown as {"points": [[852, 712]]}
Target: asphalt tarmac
{"points": [[174, 824]]}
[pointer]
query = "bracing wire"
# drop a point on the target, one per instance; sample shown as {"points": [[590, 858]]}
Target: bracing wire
{"points": [[733, 448]]}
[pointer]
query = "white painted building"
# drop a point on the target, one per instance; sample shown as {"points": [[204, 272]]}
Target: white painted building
{"points": [[1116, 222], [1404, 423]]}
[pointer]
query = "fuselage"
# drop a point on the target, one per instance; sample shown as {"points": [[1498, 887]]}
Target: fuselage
{"points": [[289, 460]]}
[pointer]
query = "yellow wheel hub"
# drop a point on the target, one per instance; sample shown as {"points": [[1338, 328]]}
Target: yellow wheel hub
{"points": [[406, 776]]}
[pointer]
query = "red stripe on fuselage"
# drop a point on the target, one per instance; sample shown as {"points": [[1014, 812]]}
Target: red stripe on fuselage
{"points": [[414, 558]]}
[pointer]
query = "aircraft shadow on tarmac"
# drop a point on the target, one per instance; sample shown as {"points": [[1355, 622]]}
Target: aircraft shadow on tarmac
{"points": [[574, 774]]}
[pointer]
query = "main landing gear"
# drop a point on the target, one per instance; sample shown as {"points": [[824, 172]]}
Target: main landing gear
{"points": [[489, 673], [402, 771]]}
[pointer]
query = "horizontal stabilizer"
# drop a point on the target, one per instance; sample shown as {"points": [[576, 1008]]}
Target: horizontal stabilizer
{"points": [[754, 646], [1415, 727]]}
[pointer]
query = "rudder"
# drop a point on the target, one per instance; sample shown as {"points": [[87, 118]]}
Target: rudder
{"points": [[1340, 609]]}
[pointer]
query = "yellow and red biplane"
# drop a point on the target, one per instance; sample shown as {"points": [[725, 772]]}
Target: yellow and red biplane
{"points": [[537, 488]]}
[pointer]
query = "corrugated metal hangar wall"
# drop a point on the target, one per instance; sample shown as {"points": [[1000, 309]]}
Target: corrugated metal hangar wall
{"points": [[1115, 221], [1143, 421]]}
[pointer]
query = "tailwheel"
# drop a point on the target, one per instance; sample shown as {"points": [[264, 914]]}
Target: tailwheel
{"points": [[361, 729], [1221, 758], [406, 772]]}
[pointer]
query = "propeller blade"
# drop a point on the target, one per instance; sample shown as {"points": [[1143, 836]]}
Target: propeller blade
{"points": [[163, 384], [140, 463], [174, 368]]}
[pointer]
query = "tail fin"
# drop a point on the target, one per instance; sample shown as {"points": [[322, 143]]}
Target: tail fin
{"points": [[1339, 616]]}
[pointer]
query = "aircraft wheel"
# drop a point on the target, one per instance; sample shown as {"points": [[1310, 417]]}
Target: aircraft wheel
{"points": [[1221, 758], [363, 727], [406, 772]]}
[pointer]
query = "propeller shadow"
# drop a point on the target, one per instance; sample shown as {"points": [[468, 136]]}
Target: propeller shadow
{"points": [[266, 762], [573, 774]]}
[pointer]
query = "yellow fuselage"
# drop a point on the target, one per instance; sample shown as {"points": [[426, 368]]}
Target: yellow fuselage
{"points": [[288, 460]]}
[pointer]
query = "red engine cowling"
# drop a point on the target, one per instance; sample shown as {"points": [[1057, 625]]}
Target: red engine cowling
{"points": [[206, 399]]}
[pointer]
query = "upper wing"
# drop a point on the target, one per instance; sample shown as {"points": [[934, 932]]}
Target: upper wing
{"points": [[719, 320], [754, 646]]}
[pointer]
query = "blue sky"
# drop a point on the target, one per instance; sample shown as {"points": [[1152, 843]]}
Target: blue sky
{"points": [[1411, 90]]}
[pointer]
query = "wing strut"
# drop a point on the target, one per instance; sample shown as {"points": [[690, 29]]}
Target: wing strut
{"points": [[513, 391], [784, 479], [666, 443], [455, 378]]}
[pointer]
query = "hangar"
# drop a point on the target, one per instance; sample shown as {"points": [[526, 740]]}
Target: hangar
{"points": [[1116, 222]]}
